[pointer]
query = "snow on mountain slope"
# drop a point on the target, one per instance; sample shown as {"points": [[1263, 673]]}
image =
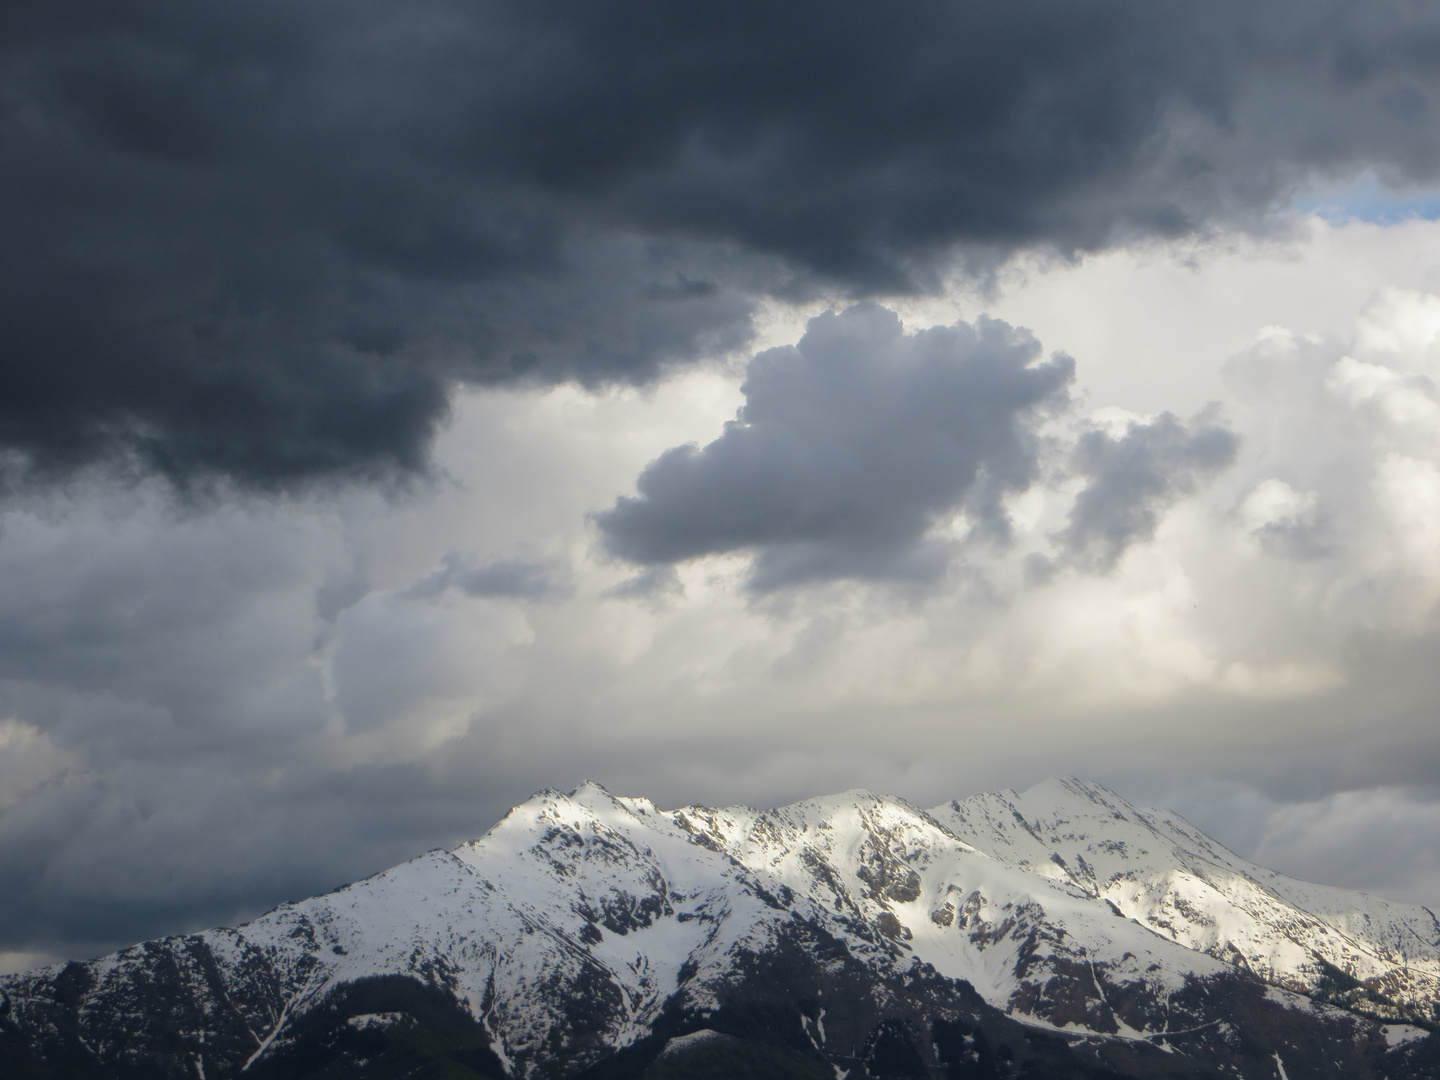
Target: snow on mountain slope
{"points": [[1166, 875], [578, 920], [872, 862]]}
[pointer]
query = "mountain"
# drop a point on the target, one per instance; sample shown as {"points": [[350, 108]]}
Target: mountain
{"points": [[1058, 932]]}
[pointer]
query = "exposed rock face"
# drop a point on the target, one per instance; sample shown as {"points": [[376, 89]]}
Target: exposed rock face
{"points": [[1055, 933]]}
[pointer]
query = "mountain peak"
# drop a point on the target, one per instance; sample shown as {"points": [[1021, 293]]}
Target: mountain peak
{"points": [[588, 788], [1069, 791], [586, 926]]}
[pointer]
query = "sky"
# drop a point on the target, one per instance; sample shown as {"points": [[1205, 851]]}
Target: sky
{"points": [[406, 407]]}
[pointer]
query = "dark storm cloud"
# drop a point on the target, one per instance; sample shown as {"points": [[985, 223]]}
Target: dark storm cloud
{"points": [[263, 240], [1135, 477], [849, 447]]}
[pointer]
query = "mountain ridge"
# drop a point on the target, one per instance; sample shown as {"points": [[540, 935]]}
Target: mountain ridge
{"points": [[584, 926]]}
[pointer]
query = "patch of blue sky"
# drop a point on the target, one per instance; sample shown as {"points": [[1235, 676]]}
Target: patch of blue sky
{"points": [[1367, 198]]}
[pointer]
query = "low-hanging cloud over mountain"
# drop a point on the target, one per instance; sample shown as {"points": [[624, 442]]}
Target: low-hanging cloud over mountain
{"points": [[206, 710], [265, 241]]}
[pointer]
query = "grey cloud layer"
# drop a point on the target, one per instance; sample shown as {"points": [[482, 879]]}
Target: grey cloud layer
{"points": [[264, 240], [173, 691], [850, 447]]}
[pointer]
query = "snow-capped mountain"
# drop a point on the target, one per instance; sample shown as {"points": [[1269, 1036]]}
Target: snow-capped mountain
{"points": [[1055, 932]]}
